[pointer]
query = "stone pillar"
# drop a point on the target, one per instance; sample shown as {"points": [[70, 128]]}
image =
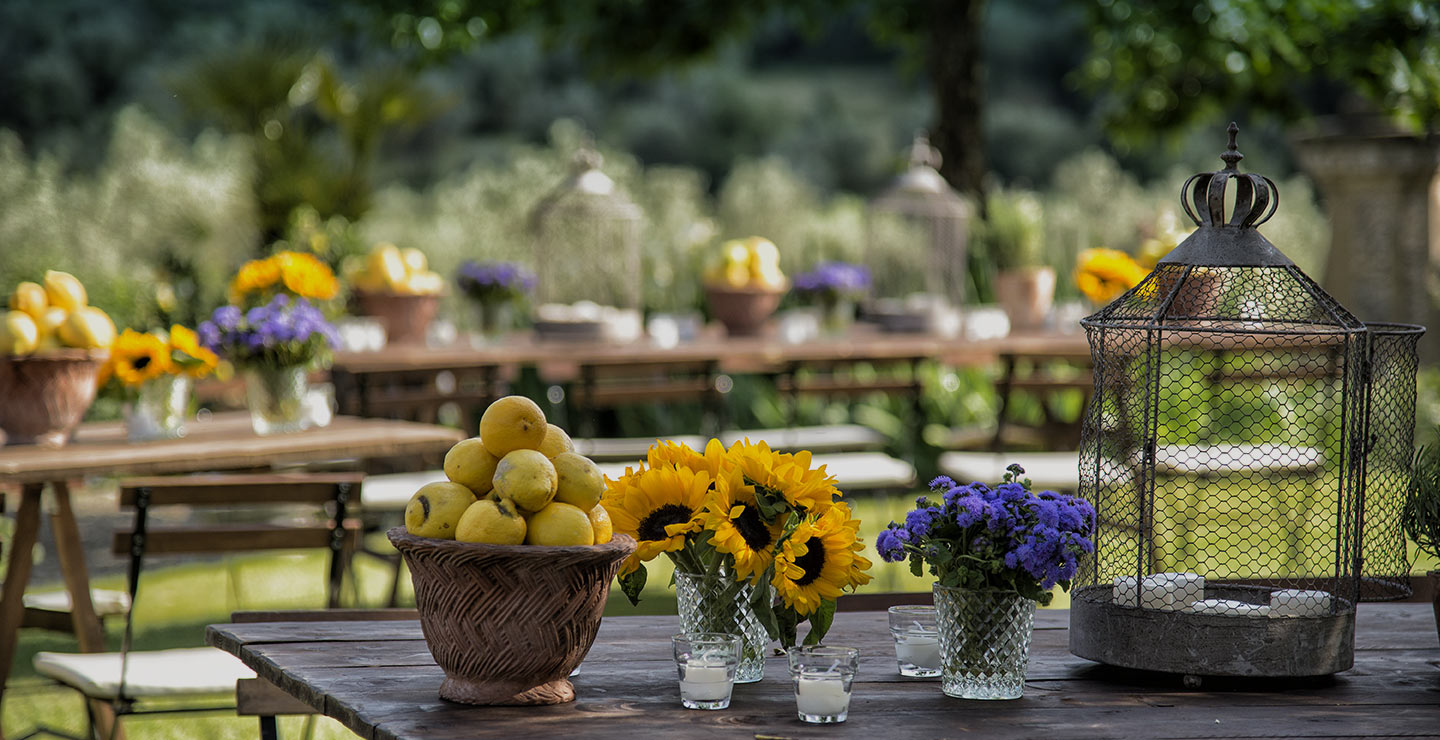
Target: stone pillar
{"points": [[1377, 190]]}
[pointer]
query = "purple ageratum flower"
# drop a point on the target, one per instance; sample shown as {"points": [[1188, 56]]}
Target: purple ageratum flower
{"points": [[494, 280], [921, 522], [942, 483], [838, 278], [970, 509], [889, 544], [281, 332]]}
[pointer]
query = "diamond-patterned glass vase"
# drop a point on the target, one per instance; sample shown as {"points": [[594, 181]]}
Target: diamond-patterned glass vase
{"points": [[716, 603], [277, 399], [984, 642]]}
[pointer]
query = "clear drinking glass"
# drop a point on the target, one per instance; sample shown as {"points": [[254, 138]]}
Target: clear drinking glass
{"points": [[917, 640], [706, 663], [823, 676]]}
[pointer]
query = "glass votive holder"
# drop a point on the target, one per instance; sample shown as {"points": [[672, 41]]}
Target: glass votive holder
{"points": [[706, 663], [917, 640], [823, 675]]}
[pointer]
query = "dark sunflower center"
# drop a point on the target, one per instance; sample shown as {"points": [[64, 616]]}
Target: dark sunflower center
{"points": [[140, 363], [812, 561], [752, 529], [652, 527]]}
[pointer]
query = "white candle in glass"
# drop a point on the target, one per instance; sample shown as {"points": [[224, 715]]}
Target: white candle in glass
{"points": [[821, 694], [1299, 603], [919, 647], [705, 680]]}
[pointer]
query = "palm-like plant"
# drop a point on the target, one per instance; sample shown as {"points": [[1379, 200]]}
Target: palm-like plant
{"points": [[1421, 516]]}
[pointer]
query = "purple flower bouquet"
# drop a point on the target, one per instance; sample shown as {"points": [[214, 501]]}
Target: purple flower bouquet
{"points": [[283, 333], [492, 282], [1006, 538], [832, 281]]}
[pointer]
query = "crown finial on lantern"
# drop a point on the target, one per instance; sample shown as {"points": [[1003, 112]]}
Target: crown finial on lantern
{"points": [[1232, 155]]}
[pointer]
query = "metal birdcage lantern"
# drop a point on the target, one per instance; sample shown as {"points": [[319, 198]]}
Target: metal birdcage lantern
{"points": [[919, 208], [1247, 450], [587, 239]]}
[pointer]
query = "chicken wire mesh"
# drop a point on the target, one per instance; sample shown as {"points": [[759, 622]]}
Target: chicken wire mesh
{"points": [[1247, 447]]}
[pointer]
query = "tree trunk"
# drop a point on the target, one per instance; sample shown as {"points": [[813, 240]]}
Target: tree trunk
{"points": [[957, 74]]}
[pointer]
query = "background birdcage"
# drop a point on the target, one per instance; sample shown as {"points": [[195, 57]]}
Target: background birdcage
{"points": [[587, 239], [1247, 450], [919, 207]]}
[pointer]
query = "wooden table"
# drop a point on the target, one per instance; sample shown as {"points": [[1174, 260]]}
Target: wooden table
{"points": [[220, 442], [379, 680]]}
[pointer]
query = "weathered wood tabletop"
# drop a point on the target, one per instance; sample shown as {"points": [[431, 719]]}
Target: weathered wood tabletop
{"points": [[379, 680]]}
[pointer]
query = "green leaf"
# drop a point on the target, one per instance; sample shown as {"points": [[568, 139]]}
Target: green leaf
{"points": [[917, 565], [764, 610], [820, 621], [633, 583], [788, 620]]}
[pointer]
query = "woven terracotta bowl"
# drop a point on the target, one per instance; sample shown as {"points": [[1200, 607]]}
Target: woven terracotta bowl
{"points": [[43, 397], [508, 623], [405, 317]]}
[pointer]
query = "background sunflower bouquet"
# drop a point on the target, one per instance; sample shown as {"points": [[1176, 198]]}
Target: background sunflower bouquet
{"points": [[139, 357], [745, 513], [296, 274]]}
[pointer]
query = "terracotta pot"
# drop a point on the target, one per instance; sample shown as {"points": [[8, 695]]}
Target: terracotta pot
{"points": [[405, 317], [1198, 297], [1026, 294], [43, 398], [743, 311], [508, 623]]}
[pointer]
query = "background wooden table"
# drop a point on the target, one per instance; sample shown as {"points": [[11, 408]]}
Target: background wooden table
{"points": [[221, 442], [379, 680]]}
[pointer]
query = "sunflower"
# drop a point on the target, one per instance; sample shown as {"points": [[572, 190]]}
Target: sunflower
{"points": [[186, 352], [679, 455], [658, 507], [306, 276], [819, 560], [136, 358], [733, 519], [255, 276], [788, 475], [1103, 274]]}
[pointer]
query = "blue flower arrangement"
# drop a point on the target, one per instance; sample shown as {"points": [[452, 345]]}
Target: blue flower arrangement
{"points": [[493, 282], [282, 333], [831, 281], [1006, 538]]}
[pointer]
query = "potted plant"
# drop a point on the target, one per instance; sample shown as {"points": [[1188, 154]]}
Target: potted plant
{"points": [[834, 287], [995, 553], [1421, 515], [1014, 233], [741, 525], [495, 288]]}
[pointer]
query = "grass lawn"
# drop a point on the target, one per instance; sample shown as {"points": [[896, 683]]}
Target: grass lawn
{"points": [[177, 602]]}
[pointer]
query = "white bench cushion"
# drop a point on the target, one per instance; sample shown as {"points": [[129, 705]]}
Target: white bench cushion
{"points": [[1226, 459], [622, 449], [107, 603], [150, 673], [818, 439], [1056, 471]]}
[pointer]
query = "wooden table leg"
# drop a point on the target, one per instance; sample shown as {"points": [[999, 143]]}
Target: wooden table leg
{"points": [[70, 552], [12, 607]]}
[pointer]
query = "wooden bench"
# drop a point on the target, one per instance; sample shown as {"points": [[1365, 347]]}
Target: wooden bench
{"points": [[816, 439]]}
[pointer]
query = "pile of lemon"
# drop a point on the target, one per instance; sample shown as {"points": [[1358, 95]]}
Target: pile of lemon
{"points": [[519, 482], [753, 262], [390, 269], [52, 315]]}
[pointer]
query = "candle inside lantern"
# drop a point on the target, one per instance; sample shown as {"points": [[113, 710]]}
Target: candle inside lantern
{"points": [[1171, 591], [1299, 603], [1228, 608], [822, 694]]}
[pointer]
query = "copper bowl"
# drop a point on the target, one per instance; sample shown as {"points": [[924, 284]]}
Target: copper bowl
{"points": [[405, 317], [743, 311], [508, 623], [43, 397]]}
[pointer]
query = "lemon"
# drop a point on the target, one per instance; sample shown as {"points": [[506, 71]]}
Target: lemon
{"points": [[527, 478], [578, 480], [556, 441], [387, 264], [471, 465], [18, 334], [87, 328], [512, 423], [600, 523], [435, 509], [30, 298], [64, 290], [491, 522], [49, 326], [414, 260], [559, 524]]}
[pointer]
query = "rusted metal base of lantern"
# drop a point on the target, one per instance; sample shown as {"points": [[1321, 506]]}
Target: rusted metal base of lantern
{"points": [[1197, 645]]}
